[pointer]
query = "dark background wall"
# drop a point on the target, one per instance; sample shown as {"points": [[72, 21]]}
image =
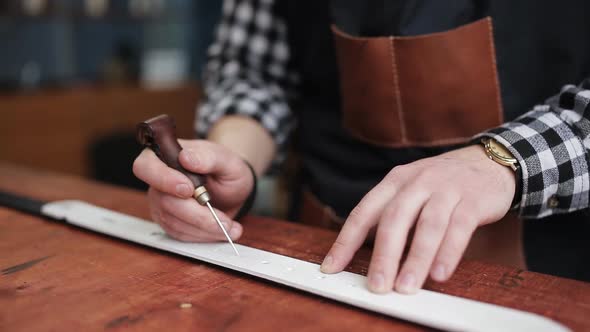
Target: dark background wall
{"points": [[63, 43]]}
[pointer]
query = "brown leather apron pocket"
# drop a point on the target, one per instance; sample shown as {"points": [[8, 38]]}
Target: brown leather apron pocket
{"points": [[428, 90]]}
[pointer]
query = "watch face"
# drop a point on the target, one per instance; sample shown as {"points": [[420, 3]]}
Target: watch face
{"points": [[500, 151]]}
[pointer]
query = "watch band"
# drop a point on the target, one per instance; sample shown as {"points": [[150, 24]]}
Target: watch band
{"points": [[517, 189], [488, 142], [249, 202]]}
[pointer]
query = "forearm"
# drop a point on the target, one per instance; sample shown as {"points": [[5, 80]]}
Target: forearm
{"points": [[246, 137]]}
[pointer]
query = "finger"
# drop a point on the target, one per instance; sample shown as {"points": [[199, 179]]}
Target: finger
{"points": [[392, 233], [184, 237], [462, 224], [205, 157], [190, 212], [187, 232], [164, 219], [196, 234], [151, 170], [357, 225], [430, 231]]}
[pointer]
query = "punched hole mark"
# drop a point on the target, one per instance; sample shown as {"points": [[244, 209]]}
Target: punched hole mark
{"points": [[108, 219]]}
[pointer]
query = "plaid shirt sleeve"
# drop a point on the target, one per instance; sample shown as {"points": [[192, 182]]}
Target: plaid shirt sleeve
{"points": [[552, 145], [248, 71]]}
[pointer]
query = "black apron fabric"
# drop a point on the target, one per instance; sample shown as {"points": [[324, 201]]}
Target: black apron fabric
{"points": [[540, 46]]}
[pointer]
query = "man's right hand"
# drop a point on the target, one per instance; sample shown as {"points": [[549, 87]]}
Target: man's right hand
{"points": [[229, 182]]}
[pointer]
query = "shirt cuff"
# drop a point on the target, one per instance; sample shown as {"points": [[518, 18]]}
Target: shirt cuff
{"points": [[552, 159]]}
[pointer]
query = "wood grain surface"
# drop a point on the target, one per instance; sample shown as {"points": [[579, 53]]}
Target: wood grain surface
{"points": [[56, 277]]}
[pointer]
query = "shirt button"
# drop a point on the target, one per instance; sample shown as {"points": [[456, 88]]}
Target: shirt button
{"points": [[553, 202]]}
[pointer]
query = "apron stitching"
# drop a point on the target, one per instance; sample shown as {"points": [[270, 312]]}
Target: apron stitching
{"points": [[495, 70], [396, 91]]}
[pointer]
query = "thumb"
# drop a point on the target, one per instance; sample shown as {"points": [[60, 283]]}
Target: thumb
{"points": [[208, 158]]}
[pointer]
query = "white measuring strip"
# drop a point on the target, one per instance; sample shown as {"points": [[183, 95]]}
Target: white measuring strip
{"points": [[427, 308]]}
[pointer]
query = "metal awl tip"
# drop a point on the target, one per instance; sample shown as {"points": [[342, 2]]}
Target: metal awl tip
{"points": [[222, 228]]}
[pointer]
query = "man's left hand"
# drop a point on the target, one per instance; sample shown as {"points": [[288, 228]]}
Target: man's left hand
{"points": [[445, 197]]}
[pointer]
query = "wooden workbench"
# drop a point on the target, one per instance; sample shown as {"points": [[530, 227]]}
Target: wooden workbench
{"points": [[60, 278]]}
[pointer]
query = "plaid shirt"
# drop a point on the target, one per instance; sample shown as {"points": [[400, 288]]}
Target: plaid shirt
{"points": [[249, 74]]}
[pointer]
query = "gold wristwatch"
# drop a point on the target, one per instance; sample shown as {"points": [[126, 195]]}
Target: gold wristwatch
{"points": [[498, 153]]}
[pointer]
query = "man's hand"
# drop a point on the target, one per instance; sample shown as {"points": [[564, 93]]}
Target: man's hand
{"points": [[229, 182], [445, 197]]}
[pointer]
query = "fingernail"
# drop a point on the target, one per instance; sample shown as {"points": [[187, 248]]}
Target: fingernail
{"points": [[377, 282], [183, 190], [439, 273], [327, 263], [235, 231], [407, 283], [191, 157]]}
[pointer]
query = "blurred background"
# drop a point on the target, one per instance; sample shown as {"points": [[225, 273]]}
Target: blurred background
{"points": [[61, 43], [77, 75]]}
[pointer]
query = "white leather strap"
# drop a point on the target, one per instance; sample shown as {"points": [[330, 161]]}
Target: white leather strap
{"points": [[428, 308]]}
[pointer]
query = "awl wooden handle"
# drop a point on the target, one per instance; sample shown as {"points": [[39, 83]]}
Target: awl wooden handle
{"points": [[159, 134]]}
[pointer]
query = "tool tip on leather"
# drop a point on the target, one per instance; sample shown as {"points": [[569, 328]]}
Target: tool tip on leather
{"points": [[222, 228]]}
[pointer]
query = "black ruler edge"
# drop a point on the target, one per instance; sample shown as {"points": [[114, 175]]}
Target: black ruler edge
{"points": [[22, 203]]}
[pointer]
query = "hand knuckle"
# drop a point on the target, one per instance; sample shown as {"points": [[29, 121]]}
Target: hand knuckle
{"points": [[396, 173], [172, 225], [355, 219], [180, 236], [391, 228], [431, 223], [339, 244], [389, 218], [167, 180], [478, 205], [163, 220], [402, 168], [420, 254], [152, 195], [425, 178], [387, 233], [155, 195], [453, 252], [168, 203], [168, 230], [463, 219], [381, 259], [184, 238], [155, 214], [138, 165]]}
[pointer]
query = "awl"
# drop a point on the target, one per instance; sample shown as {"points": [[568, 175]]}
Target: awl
{"points": [[159, 134]]}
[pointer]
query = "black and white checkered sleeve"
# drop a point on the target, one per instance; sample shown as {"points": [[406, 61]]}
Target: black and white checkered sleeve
{"points": [[248, 71], [552, 145]]}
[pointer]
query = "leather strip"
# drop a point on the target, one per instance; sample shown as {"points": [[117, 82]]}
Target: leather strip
{"points": [[428, 308]]}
